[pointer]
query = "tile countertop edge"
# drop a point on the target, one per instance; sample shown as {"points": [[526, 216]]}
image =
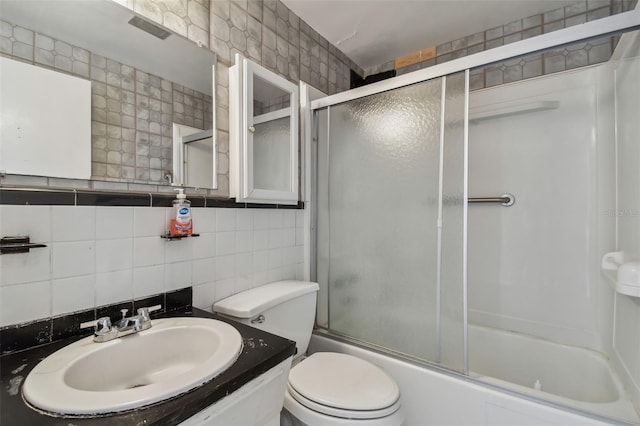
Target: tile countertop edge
{"points": [[252, 362]]}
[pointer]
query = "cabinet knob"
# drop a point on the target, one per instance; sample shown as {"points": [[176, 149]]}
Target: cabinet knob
{"points": [[252, 129]]}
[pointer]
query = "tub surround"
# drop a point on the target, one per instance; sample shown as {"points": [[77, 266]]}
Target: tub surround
{"points": [[254, 360]]}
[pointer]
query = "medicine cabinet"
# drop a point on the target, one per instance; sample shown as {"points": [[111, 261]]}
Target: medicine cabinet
{"points": [[263, 146]]}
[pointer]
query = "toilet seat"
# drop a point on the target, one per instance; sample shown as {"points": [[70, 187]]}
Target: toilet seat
{"points": [[340, 412], [343, 386]]}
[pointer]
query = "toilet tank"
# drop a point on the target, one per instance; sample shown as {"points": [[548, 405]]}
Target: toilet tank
{"points": [[285, 308]]}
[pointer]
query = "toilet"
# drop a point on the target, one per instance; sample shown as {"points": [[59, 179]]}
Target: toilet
{"points": [[325, 388]]}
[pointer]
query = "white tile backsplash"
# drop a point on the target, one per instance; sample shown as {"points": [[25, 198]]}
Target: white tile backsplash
{"points": [[244, 220], [225, 267], [203, 246], [71, 223], [177, 275], [73, 259], [275, 238], [275, 258], [203, 270], [244, 264], [276, 219], [103, 255], [225, 220], [204, 295], [22, 303], [149, 222], [204, 220], [148, 281], [244, 241], [114, 222], [148, 251], [260, 239], [299, 218], [112, 287], [32, 221], [289, 219], [261, 219], [261, 260], [25, 267], [72, 294], [225, 288], [225, 243], [288, 237], [177, 250], [114, 255]]}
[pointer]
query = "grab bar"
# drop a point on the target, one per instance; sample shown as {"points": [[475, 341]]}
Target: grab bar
{"points": [[506, 200]]}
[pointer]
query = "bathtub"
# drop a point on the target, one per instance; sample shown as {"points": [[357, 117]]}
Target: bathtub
{"points": [[567, 375], [499, 389]]}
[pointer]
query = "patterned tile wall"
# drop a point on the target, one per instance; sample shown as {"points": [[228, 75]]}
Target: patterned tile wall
{"points": [[575, 56], [268, 33], [189, 18], [132, 111]]}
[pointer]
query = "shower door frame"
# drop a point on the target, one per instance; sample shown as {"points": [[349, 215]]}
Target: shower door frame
{"points": [[609, 26]]}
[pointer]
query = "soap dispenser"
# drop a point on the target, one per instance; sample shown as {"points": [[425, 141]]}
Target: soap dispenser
{"points": [[181, 224]]}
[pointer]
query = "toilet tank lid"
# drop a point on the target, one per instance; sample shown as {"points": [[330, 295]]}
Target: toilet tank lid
{"points": [[250, 303]]}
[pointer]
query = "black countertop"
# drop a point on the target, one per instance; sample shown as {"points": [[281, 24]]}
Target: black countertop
{"points": [[261, 352]]}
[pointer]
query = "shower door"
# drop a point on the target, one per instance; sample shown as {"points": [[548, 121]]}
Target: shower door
{"points": [[391, 206]]}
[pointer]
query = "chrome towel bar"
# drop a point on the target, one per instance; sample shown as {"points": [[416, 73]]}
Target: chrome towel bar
{"points": [[506, 200]]}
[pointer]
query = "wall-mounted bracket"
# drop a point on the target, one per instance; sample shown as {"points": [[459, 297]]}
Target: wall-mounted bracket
{"points": [[170, 237], [17, 244]]}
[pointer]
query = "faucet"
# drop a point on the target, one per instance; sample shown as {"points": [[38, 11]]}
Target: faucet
{"points": [[105, 331]]}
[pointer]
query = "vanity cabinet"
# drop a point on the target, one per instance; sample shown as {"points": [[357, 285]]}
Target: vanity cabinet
{"points": [[263, 146]]}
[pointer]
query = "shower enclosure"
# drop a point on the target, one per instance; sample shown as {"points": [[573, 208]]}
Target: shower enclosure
{"points": [[463, 228]]}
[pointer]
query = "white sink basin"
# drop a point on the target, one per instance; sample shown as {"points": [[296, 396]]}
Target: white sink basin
{"points": [[172, 357]]}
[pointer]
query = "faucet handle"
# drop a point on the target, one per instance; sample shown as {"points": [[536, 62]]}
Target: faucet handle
{"points": [[102, 325], [144, 312]]}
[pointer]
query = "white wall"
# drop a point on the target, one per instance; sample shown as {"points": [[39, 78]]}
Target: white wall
{"points": [[103, 255], [627, 314], [533, 267]]}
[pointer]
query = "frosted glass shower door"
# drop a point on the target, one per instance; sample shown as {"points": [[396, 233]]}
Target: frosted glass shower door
{"points": [[379, 201]]}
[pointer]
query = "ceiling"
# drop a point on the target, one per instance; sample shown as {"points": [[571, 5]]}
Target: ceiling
{"points": [[372, 32]]}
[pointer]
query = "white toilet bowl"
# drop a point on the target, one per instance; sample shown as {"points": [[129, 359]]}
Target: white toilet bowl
{"points": [[337, 389], [326, 388]]}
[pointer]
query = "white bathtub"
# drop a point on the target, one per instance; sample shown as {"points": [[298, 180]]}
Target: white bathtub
{"points": [[568, 375], [434, 397]]}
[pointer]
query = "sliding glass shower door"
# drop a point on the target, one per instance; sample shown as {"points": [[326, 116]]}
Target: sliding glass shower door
{"points": [[391, 200]]}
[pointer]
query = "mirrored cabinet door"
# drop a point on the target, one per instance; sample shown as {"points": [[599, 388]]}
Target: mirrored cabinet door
{"points": [[264, 135]]}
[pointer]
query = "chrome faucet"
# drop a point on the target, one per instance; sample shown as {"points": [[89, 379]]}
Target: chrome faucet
{"points": [[105, 331]]}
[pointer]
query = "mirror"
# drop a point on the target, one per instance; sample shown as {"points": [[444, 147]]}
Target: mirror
{"points": [[264, 135], [193, 157], [143, 79]]}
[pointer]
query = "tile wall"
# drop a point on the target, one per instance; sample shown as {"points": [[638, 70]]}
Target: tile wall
{"points": [[132, 110], [98, 255], [268, 33], [189, 18], [576, 56]]}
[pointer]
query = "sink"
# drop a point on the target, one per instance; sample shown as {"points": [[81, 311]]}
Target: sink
{"points": [[174, 356]]}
